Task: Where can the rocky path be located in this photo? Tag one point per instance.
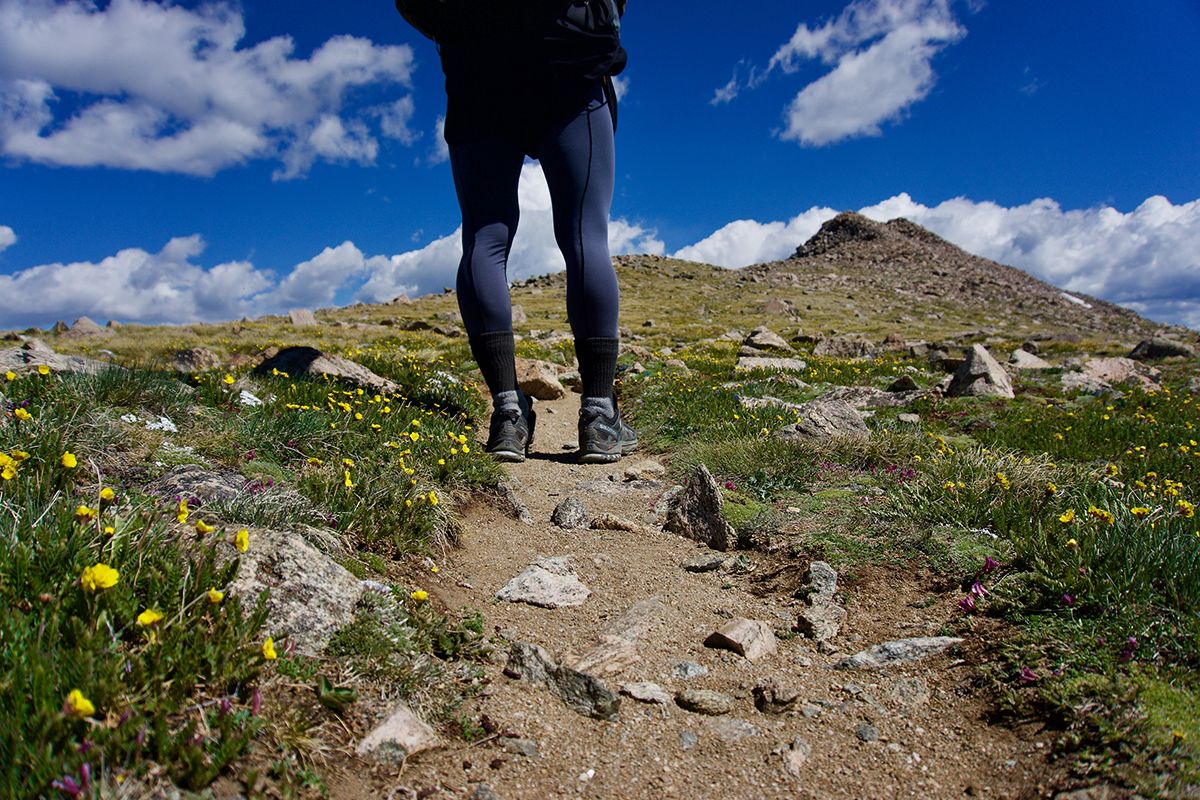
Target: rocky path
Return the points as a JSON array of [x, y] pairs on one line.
[[785, 724]]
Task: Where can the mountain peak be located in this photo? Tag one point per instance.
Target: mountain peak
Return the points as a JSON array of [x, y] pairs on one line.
[[850, 227]]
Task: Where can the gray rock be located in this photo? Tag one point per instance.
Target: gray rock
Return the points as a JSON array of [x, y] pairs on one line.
[[617, 648], [646, 692], [774, 695], [756, 403], [704, 563], [748, 363], [820, 580], [905, 383], [1123, 370], [751, 639], [611, 522], [485, 792], [570, 514], [1085, 383], [826, 419], [196, 359], [796, 756], [763, 338], [901, 651], [704, 701], [644, 471], [980, 375], [866, 732], [311, 595], [821, 621], [582, 693], [686, 670], [695, 513], [909, 419], [520, 511], [843, 347], [519, 317], [401, 735], [688, 739], [539, 379], [1159, 347], [520, 747], [84, 327], [297, 361], [34, 353], [1023, 359], [731, 730], [910, 692], [548, 583], [302, 318], [871, 397]]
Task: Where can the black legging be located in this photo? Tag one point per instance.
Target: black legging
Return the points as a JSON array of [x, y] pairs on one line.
[[577, 157]]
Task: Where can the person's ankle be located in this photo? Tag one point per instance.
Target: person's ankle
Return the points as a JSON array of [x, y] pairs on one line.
[[603, 405], [506, 401]]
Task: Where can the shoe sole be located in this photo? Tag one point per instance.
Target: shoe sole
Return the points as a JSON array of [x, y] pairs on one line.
[[607, 458]]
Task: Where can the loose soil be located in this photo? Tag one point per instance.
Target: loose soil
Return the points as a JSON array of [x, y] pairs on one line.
[[939, 746]]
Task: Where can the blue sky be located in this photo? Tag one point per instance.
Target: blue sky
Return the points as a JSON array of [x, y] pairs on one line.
[[203, 161]]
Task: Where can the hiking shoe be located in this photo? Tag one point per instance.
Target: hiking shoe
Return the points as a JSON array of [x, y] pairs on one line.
[[511, 434], [604, 438]]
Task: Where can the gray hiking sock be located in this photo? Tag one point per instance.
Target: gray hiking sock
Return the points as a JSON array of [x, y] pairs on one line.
[[603, 405], [507, 401]]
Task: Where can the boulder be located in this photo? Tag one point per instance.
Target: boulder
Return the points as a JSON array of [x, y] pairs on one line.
[[843, 347], [539, 379], [548, 583], [519, 317], [826, 419], [84, 327], [1024, 359], [822, 617], [1123, 370], [980, 375], [747, 363], [34, 353], [1159, 347], [302, 318], [582, 693], [196, 359], [311, 595], [695, 513], [763, 338], [296, 361], [749, 638]]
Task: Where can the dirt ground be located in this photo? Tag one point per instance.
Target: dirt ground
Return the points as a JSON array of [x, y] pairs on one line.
[[925, 725]]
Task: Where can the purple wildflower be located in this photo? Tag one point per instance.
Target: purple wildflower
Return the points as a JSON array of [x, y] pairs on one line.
[[1068, 600], [978, 590], [967, 604], [1026, 675], [255, 703], [226, 707], [85, 776], [729, 485], [68, 786], [990, 565], [1130, 649]]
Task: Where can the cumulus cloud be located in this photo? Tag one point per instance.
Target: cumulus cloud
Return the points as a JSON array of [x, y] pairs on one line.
[[152, 86], [1147, 259], [7, 238], [880, 54], [172, 286]]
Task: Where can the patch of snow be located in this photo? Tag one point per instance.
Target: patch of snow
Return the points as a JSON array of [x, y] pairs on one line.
[[1070, 298]]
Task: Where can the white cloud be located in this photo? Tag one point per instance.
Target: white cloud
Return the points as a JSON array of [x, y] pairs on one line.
[[152, 86], [881, 54], [440, 152], [1147, 259], [170, 286], [7, 238]]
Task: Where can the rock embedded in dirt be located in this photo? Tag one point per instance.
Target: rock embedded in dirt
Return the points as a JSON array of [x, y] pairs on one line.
[[688, 739], [866, 732], [696, 514], [582, 693], [611, 522], [980, 375], [644, 471], [539, 379], [570, 514], [774, 695], [731, 730], [646, 692], [401, 735], [749, 638], [616, 649], [826, 419], [310, 595], [822, 617], [296, 361], [763, 338], [519, 510], [686, 670], [520, 747], [34, 353], [485, 792], [820, 580], [901, 651], [547, 583], [1160, 347], [796, 756], [704, 701], [910, 692], [704, 563]]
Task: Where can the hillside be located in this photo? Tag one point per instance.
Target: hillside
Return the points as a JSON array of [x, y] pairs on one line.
[[904, 522]]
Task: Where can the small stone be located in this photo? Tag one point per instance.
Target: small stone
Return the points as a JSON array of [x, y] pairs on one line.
[[795, 757], [821, 580], [1023, 359], [644, 471], [548, 583], [811, 710], [731, 730], [686, 670], [520, 747], [401, 735], [695, 513], [485, 792], [646, 692], [774, 696], [866, 732], [909, 419], [751, 639], [910, 692], [901, 651], [688, 740], [763, 338], [570, 514], [704, 701], [826, 419]]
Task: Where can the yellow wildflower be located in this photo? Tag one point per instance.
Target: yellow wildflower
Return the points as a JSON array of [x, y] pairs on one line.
[[215, 596], [1072, 543], [1112, 470], [43, 369], [1186, 510], [1051, 489], [99, 576], [268, 649], [109, 530], [203, 528], [347, 480], [78, 705], [107, 494], [242, 540], [85, 514], [1141, 512], [419, 596], [433, 499], [69, 461], [228, 379], [149, 617], [416, 437], [22, 415], [182, 513], [1067, 516], [10, 375]]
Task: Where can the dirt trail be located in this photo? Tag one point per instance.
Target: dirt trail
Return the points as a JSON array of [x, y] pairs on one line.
[[933, 741]]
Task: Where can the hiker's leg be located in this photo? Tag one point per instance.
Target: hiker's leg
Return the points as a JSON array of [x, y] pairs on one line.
[[579, 162], [486, 174]]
